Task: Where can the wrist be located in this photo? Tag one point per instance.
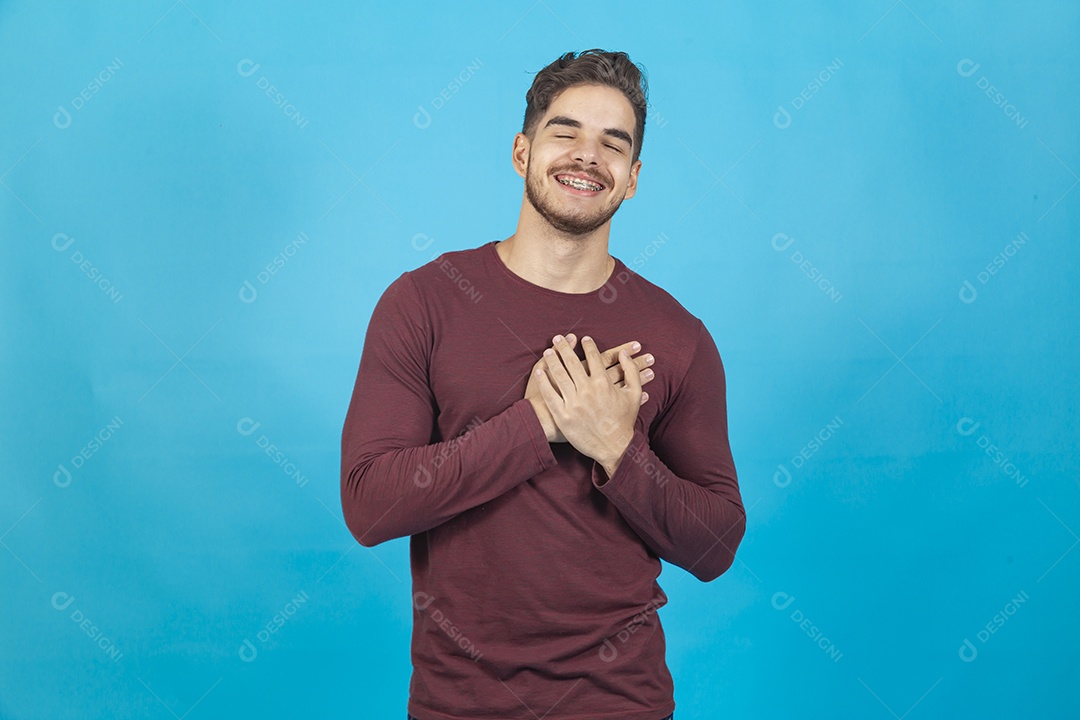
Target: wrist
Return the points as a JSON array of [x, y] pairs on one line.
[[611, 459], [543, 416]]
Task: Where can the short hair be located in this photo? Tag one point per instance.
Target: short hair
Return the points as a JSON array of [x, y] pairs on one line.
[[589, 67]]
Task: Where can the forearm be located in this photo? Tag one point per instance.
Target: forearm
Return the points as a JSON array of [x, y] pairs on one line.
[[693, 524], [389, 492]]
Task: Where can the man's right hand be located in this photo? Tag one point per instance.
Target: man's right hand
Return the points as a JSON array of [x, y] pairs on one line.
[[614, 373]]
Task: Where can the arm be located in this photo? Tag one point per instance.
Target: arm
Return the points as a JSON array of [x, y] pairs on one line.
[[394, 482], [678, 488]]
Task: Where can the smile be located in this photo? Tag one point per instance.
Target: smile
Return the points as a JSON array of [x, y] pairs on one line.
[[579, 183]]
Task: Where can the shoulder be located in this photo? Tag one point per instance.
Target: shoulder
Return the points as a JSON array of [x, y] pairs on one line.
[[442, 285], [442, 265], [628, 286], [680, 335]]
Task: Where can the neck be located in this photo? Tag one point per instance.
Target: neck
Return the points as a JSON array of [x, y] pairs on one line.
[[565, 263]]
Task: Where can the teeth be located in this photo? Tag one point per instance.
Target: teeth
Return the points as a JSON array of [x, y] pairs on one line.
[[579, 184]]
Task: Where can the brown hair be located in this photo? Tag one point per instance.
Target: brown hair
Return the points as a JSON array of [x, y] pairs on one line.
[[589, 67]]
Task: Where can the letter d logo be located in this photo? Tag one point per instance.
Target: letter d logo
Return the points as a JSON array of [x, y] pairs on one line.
[[248, 293], [248, 652], [65, 246], [422, 118], [782, 118], [967, 67], [967, 426], [781, 600], [62, 477], [608, 293], [782, 238], [782, 477], [247, 67], [61, 600], [246, 426], [62, 118], [968, 293], [422, 477]]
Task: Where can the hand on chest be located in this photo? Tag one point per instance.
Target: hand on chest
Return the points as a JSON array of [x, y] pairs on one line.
[[479, 372]]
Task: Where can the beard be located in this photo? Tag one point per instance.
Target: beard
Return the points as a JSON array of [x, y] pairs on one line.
[[570, 222]]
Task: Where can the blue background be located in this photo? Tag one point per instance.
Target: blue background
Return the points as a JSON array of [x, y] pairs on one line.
[[148, 179]]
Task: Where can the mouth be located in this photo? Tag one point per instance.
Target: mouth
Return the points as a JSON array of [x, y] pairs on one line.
[[579, 184]]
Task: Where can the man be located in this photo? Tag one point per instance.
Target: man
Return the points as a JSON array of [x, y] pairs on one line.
[[541, 494]]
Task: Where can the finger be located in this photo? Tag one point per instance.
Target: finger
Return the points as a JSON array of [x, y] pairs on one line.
[[647, 376], [593, 360], [570, 360], [611, 357], [542, 362], [551, 397], [631, 375], [615, 374], [534, 378], [570, 338], [557, 372]]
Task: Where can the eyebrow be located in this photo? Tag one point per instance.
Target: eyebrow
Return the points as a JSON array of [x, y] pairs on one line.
[[571, 122]]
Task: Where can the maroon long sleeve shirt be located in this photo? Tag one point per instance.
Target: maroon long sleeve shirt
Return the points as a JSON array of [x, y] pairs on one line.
[[535, 588]]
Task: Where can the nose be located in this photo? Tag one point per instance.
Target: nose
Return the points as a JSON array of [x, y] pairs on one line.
[[586, 150]]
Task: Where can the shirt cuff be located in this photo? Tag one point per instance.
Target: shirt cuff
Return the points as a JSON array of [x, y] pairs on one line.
[[601, 481], [536, 434]]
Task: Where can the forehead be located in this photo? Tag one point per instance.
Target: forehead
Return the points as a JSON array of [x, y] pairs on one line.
[[599, 105]]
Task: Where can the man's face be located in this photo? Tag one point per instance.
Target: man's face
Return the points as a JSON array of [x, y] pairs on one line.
[[578, 167]]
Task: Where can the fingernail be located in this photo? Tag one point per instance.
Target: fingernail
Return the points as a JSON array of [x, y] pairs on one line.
[[647, 373], [636, 346], [648, 358], [586, 338], [549, 351], [558, 339]]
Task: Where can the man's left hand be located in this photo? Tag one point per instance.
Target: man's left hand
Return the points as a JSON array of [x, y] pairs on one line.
[[594, 415]]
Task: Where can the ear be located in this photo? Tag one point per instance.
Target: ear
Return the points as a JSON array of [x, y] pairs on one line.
[[519, 155], [631, 187]]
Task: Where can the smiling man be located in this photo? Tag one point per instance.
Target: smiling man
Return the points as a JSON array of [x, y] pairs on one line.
[[540, 484]]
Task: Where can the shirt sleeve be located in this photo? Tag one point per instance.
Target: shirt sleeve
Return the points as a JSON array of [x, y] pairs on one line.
[[394, 480], [677, 487]]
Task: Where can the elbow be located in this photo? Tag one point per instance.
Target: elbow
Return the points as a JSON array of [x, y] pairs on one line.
[[361, 518], [363, 536], [710, 573], [358, 524], [722, 556], [361, 527]]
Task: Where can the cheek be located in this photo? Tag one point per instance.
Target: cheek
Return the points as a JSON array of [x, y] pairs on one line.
[[538, 165]]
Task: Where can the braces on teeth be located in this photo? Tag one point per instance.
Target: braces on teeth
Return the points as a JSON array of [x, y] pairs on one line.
[[579, 184]]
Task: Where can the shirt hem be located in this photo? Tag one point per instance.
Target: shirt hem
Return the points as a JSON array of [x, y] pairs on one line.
[[429, 714]]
